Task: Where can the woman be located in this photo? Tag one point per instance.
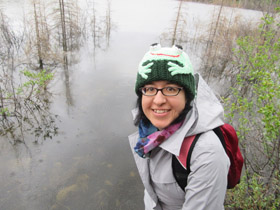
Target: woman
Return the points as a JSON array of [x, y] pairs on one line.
[[173, 104]]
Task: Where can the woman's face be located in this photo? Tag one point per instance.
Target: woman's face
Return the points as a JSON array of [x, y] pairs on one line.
[[163, 110]]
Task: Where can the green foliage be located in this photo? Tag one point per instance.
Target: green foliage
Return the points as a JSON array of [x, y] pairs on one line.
[[4, 111], [257, 94], [254, 108], [39, 80], [26, 108], [253, 194]]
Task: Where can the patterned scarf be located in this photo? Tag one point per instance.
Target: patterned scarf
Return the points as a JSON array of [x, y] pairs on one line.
[[150, 137]]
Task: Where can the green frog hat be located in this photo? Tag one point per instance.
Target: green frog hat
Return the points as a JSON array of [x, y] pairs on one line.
[[170, 64]]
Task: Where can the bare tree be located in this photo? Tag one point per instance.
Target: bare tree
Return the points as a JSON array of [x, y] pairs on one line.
[[176, 23], [177, 34], [108, 22], [211, 41], [39, 48], [65, 50]]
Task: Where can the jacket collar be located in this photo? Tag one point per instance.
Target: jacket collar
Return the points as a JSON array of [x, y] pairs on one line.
[[174, 142]]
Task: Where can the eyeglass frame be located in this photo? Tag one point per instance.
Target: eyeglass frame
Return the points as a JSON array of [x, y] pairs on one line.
[[160, 89]]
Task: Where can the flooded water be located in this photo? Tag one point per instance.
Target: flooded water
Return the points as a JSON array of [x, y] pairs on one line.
[[89, 165]]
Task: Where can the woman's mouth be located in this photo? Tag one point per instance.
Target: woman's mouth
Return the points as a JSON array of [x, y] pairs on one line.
[[160, 111]]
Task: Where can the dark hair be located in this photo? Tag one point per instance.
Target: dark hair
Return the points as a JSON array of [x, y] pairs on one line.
[[142, 117]]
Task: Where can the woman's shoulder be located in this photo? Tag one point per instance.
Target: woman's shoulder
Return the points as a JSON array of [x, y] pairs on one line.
[[209, 139], [133, 135], [133, 138], [209, 151], [209, 146]]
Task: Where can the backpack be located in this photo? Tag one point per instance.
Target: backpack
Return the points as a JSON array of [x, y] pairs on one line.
[[229, 140]]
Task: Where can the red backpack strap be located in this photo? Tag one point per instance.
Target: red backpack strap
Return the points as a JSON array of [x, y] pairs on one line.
[[184, 151], [181, 163]]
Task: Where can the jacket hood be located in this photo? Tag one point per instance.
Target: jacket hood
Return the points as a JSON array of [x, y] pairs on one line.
[[206, 114], [208, 109]]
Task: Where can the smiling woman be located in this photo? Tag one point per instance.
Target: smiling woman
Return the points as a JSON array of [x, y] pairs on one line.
[[174, 104], [162, 109]]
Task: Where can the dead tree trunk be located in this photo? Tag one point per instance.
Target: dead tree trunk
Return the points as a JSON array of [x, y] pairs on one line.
[[176, 23], [65, 51], [212, 41], [38, 39], [108, 23]]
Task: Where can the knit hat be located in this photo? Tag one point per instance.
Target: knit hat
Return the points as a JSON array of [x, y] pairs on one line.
[[169, 64]]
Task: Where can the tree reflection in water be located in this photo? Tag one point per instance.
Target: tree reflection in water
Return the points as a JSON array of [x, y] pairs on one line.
[[49, 37], [25, 107]]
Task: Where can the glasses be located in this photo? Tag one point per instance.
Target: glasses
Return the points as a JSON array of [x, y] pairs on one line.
[[166, 91]]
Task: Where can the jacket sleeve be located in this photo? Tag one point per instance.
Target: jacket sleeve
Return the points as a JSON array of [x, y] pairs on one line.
[[207, 182]]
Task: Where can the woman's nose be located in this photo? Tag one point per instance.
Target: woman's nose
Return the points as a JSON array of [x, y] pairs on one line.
[[159, 98]]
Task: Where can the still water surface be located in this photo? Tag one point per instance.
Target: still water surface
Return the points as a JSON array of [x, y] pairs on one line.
[[89, 165]]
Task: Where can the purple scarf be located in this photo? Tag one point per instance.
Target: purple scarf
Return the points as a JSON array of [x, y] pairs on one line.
[[150, 137]]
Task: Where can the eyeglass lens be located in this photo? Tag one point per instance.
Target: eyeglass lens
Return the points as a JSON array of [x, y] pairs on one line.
[[168, 91]]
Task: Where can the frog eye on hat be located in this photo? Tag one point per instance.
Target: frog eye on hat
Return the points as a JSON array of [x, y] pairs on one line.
[[178, 49], [178, 46], [155, 47]]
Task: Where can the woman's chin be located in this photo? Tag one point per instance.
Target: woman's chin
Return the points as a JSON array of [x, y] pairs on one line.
[[160, 126]]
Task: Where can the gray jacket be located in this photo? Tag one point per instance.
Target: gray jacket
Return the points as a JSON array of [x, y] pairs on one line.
[[209, 164]]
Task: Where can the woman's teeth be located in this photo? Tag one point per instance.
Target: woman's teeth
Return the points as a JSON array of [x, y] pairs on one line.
[[160, 111]]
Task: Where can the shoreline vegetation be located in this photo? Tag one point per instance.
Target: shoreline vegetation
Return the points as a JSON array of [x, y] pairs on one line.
[[260, 5], [241, 59]]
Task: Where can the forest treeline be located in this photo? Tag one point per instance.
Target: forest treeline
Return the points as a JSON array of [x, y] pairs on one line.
[[260, 5]]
